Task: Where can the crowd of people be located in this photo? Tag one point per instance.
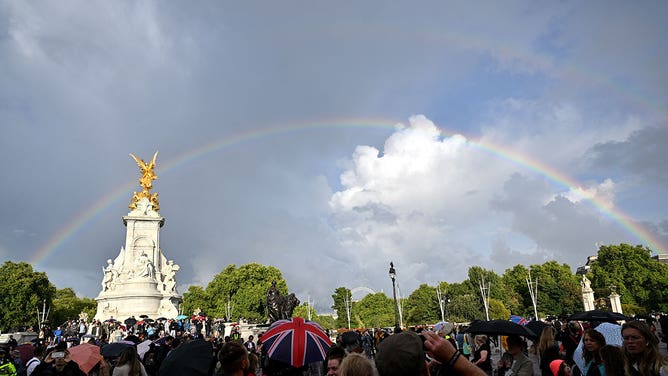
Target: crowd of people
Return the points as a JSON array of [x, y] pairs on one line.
[[143, 348]]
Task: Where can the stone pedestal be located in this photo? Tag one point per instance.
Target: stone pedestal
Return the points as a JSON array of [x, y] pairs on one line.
[[615, 303], [140, 280], [587, 295]]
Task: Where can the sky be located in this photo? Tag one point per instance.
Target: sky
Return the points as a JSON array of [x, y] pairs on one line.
[[330, 138]]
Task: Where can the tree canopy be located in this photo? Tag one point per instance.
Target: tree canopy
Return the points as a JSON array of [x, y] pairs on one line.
[[236, 292], [630, 270], [24, 292]]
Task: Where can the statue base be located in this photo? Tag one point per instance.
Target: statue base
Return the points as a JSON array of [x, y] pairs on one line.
[[136, 298]]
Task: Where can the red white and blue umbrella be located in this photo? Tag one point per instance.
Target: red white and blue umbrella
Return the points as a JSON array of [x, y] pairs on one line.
[[296, 342]]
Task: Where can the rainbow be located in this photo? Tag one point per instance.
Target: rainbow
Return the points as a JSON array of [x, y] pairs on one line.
[[78, 222]]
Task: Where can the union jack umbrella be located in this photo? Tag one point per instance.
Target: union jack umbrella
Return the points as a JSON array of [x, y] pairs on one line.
[[296, 342]]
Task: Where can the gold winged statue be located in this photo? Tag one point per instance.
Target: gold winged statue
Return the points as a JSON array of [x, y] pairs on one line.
[[146, 182]]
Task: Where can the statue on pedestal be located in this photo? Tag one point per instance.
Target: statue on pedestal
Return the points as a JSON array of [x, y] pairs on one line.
[[110, 275], [280, 307], [586, 283], [146, 182], [170, 272], [144, 267]]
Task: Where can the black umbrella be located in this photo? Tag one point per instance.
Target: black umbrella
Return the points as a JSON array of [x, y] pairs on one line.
[[597, 315], [192, 358], [130, 321], [499, 327], [112, 350], [143, 316], [132, 338], [162, 319], [536, 327]]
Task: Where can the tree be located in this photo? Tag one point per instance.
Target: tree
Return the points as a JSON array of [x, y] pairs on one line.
[[242, 290], [515, 280], [558, 289], [340, 296], [639, 279], [465, 307], [498, 311], [327, 322], [23, 293], [422, 306], [374, 311], [195, 298], [66, 306]]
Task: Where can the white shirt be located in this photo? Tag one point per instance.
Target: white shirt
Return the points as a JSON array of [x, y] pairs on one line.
[[32, 364]]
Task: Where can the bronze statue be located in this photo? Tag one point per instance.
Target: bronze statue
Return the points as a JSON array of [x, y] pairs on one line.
[[146, 182], [280, 307]]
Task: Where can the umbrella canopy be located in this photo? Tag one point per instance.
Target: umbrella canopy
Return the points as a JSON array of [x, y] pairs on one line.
[[192, 358], [143, 348], [143, 316], [26, 351], [612, 334], [499, 327], [536, 327], [296, 342], [130, 321], [597, 315], [113, 350], [181, 317], [86, 356], [111, 320], [162, 319]]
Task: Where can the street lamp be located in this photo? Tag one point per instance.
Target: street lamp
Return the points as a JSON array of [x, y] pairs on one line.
[[393, 277]]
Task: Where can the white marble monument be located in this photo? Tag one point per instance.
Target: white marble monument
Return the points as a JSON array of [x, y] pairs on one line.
[[140, 280], [587, 294]]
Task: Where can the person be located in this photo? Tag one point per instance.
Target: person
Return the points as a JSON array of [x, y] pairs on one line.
[[58, 362], [12, 343], [570, 338], [253, 364], [356, 365], [333, 360], [614, 361], [482, 356], [548, 350], [642, 350], [233, 360], [560, 368], [250, 345], [442, 351], [401, 354], [6, 365], [18, 363], [128, 364], [521, 365], [33, 362], [592, 342]]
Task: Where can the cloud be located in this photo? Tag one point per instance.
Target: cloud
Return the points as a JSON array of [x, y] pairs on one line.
[[248, 109], [640, 155]]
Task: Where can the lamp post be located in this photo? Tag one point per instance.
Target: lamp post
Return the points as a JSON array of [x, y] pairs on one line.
[[393, 276]]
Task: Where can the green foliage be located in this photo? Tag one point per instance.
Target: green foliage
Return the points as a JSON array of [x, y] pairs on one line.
[[326, 321], [498, 311], [374, 311], [195, 298], [66, 306], [341, 294], [242, 290], [559, 290], [422, 307], [639, 279], [466, 307], [23, 293]]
